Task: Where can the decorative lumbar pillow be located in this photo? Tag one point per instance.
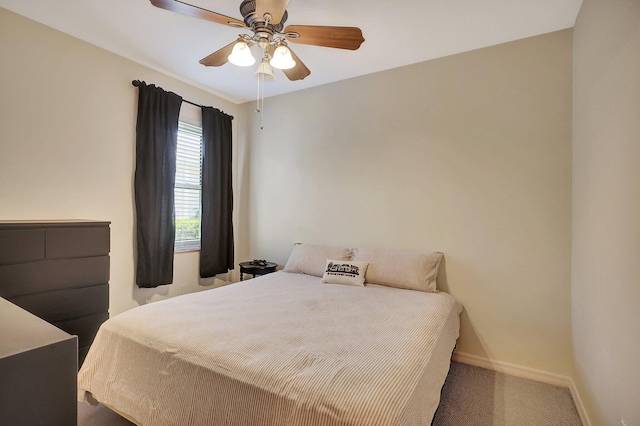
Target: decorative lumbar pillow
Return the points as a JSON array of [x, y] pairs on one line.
[[311, 259], [414, 271], [344, 272]]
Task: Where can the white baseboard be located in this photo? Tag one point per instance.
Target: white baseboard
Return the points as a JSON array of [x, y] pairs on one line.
[[579, 405], [527, 373], [513, 370]]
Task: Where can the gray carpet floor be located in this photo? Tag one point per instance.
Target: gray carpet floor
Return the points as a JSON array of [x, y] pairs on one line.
[[480, 397], [471, 396]]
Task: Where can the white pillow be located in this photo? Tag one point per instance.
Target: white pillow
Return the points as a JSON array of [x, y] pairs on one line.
[[414, 271], [311, 259], [344, 272]]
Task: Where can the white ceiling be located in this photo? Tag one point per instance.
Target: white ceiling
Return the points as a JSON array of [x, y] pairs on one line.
[[396, 32]]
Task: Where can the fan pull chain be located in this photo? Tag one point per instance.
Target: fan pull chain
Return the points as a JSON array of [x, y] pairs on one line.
[[258, 96], [260, 99]]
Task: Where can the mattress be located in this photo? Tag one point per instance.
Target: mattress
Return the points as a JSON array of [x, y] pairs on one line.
[[281, 349]]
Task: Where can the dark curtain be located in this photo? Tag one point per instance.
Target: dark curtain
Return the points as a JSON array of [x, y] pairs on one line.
[[216, 252], [156, 139]]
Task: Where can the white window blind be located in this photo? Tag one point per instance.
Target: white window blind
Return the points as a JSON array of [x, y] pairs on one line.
[[188, 187]]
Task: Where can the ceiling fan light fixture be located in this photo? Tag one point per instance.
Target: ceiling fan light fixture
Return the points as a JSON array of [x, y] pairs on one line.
[[241, 55], [282, 58], [265, 71]]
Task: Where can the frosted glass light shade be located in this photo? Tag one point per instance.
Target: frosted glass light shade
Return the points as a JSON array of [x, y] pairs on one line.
[[265, 71], [282, 58], [241, 55]]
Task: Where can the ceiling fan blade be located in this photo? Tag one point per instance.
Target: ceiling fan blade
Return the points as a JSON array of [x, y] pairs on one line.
[[339, 37], [219, 57], [299, 72], [198, 12], [275, 8]]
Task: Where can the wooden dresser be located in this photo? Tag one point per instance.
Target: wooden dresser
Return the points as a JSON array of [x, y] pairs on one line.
[[59, 271]]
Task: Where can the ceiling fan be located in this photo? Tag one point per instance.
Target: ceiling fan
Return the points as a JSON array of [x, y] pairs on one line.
[[266, 18]]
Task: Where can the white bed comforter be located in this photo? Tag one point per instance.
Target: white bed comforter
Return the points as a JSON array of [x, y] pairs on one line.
[[282, 349]]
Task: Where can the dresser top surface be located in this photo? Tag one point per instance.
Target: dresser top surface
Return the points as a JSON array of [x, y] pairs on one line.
[[56, 223]]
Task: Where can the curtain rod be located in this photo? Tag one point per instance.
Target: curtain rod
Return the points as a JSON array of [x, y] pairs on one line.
[[192, 103], [136, 83]]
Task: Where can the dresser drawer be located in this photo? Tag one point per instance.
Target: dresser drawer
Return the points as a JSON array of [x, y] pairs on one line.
[[66, 304], [85, 328], [64, 243], [19, 246], [49, 275], [82, 354]]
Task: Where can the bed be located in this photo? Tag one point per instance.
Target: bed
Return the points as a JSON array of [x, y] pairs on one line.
[[280, 349]]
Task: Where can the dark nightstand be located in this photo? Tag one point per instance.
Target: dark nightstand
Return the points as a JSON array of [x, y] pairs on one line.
[[254, 269]]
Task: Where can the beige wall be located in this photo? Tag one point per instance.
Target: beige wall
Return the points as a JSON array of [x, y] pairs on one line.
[[606, 210], [67, 142], [469, 155]]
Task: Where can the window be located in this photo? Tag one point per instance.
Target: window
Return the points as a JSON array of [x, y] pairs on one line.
[[188, 187]]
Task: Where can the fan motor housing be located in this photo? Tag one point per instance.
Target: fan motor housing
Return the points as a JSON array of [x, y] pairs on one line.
[[248, 12]]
